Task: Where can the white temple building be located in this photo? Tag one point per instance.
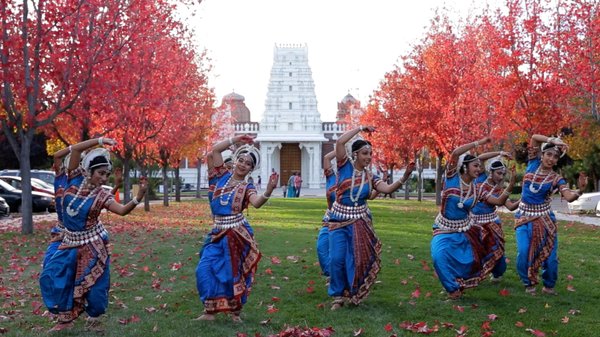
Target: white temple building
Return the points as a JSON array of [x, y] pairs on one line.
[[291, 135]]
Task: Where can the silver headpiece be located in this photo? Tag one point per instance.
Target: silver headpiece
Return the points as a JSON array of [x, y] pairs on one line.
[[248, 149], [491, 161], [461, 159], [93, 154]]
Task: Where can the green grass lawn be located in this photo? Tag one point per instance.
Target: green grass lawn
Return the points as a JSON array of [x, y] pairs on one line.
[[153, 290]]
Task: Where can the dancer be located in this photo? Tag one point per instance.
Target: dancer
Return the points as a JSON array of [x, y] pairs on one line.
[[490, 196], [76, 277], [456, 248], [230, 256], [323, 237], [354, 249], [536, 228]]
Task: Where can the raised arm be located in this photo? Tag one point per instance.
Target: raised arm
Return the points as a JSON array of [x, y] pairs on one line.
[[466, 147], [340, 144], [258, 200], [327, 160], [223, 145], [489, 155], [119, 209], [384, 187], [78, 148], [501, 200], [537, 140]]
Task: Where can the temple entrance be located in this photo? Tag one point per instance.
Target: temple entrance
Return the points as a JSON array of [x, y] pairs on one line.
[[290, 155]]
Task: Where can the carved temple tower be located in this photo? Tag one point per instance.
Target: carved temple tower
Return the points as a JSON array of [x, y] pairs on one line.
[[291, 131]]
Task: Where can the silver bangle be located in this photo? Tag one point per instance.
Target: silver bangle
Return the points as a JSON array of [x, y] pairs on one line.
[[264, 196], [230, 141], [69, 148], [135, 201], [361, 128], [100, 141]]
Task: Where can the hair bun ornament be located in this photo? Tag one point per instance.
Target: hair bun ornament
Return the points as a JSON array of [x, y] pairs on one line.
[[102, 154], [250, 150], [461, 158], [351, 142], [491, 164], [550, 146]]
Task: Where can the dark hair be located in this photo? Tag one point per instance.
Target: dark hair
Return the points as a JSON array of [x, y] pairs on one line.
[[97, 162], [497, 165], [468, 158], [358, 144], [228, 160], [563, 160]]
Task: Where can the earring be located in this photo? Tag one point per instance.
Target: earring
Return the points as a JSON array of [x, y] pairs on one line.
[[464, 167]]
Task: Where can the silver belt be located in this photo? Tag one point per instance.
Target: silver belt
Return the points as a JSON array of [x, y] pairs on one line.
[[229, 221], [484, 218], [78, 238], [445, 224], [349, 212], [534, 210]]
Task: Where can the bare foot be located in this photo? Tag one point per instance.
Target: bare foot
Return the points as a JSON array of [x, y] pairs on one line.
[[205, 317], [61, 327], [549, 291], [530, 290]]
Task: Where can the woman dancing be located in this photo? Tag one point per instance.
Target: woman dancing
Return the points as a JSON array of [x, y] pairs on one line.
[[230, 256], [490, 194], [76, 277], [354, 249], [536, 229], [456, 248]]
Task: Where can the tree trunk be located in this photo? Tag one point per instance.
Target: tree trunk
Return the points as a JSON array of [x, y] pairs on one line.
[[439, 171], [420, 181], [165, 186], [147, 195], [26, 197], [177, 185], [198, 178], [126, 181]]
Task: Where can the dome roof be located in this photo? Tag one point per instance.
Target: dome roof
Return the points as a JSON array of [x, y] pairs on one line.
[[233, 97], [349, 99]]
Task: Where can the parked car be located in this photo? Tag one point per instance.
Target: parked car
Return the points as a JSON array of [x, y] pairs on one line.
[[586, 202], [4, 208], [598, 209], [45, 175], [40, 201], [36, 184]]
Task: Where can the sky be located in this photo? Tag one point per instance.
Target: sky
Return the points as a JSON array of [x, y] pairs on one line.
[[351, 44]]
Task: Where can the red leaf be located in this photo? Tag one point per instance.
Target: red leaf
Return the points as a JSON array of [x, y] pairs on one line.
[[458, 308], [268, 271], [416, 293], [275, 299], [536, 333], [388, 327], [275, 260], [519, 324], [492, 317], [504, 292], [310, 290]]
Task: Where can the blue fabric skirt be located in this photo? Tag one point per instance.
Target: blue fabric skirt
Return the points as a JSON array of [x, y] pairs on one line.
[[323, 250], [453, 259]]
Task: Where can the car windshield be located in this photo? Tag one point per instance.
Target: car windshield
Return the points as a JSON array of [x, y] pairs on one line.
[[7, 186]]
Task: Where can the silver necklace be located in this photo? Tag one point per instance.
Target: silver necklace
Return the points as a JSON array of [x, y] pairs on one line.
[[73, 212], [531, 187], [354, 199], [461, 201], [222, 201]]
